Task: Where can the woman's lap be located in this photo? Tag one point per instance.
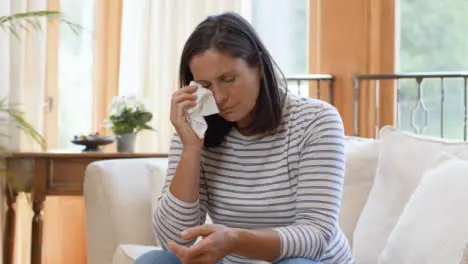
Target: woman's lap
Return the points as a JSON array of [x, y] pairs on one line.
[[158, 257], [166, 257]]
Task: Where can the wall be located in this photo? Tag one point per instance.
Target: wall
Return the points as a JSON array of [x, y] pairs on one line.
[[354, 36]]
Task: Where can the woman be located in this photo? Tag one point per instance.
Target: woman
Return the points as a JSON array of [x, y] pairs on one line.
[[269, 171]]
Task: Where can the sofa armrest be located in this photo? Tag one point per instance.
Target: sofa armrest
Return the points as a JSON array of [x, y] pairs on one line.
[[119, 197]]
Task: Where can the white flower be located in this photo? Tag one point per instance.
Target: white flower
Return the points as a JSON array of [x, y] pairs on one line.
[[120, 103]]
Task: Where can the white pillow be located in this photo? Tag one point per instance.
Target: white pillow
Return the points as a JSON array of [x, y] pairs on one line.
[[433, 227], [403, 159], [362, 155], [465, 255], [157, 177]]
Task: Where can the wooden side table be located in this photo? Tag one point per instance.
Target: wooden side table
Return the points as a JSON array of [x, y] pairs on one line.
[[43, 174]]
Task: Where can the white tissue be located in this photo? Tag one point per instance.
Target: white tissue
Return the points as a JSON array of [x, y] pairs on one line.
[[206, 105]]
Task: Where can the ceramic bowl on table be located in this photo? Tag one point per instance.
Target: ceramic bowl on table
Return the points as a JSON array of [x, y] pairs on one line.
[[92, 143]]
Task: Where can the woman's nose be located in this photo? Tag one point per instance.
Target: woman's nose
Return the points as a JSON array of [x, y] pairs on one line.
[[220, 97]]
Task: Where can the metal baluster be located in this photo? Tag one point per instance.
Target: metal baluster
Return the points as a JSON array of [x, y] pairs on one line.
[[398, 98], [356, 106], [442, 100], [299, 87], [377, 108], [330, 92], [419, 105], [465, 102], [318, 89]]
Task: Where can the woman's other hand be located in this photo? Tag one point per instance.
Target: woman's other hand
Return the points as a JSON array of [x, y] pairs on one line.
[[217, 242], [181, 100]]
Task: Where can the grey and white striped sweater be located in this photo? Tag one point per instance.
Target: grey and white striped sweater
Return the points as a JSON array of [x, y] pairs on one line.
[[290, 182]]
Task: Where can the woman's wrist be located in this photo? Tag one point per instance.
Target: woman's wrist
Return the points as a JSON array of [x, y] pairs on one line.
[[192, 150], [234, 238], [243, 242]]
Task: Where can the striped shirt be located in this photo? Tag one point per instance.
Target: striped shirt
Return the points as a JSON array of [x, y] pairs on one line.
[[290, 181]]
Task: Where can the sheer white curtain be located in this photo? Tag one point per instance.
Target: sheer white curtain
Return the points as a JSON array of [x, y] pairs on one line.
[[22, 76], [22, 69], [153, 34]]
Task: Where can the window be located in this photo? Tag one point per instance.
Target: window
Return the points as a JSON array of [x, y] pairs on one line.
[[283, 26], [75, 73], [433, 38]]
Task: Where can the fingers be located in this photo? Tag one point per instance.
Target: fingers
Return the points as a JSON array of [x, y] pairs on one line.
[[202, 246], [188, 255], [177, 98], [180, 103], [187, 89], [194, 232], [181, 107], [178, 250], [183, 99], [205, 245]]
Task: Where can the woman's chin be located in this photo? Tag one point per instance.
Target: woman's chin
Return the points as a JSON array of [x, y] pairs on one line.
[[230, 116]]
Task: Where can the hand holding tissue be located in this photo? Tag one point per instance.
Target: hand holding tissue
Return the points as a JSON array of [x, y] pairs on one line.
[[205, 106]]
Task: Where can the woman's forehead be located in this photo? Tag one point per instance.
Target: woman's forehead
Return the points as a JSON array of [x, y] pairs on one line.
[[212, 64]]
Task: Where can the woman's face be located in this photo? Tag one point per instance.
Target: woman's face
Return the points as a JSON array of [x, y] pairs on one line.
[[234, 83]]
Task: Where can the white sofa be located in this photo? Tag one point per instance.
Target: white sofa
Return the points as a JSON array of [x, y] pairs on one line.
[[397, 208]]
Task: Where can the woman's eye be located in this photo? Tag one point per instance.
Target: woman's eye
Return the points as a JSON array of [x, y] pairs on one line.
[[206, 85], [229, 79]]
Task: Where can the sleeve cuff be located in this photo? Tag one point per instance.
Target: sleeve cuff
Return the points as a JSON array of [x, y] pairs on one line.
[[285, 238]]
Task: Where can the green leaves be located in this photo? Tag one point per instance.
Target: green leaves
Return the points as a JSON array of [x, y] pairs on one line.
[[16, 118], [31, 19], [131, 121]]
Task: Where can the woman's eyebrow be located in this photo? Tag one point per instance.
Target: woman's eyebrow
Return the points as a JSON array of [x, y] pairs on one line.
[[221, 75], [228, 72]]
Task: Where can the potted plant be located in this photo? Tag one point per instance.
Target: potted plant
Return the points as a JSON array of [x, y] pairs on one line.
[[13, 23], [128, 116]]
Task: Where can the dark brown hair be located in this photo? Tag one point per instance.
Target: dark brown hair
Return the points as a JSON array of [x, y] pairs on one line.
[[232, 34]]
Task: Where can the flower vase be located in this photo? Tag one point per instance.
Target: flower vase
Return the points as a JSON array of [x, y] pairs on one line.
[[126, 143]]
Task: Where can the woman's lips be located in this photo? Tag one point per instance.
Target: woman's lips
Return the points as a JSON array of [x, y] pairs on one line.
[[226, 110]]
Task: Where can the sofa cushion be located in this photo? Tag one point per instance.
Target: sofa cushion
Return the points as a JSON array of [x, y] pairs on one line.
[[465, 255], [432, 228], [118, 197], [127, 254], [403, 159], [361, 163], [157, 182], [157, 179]]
